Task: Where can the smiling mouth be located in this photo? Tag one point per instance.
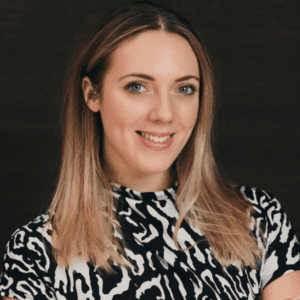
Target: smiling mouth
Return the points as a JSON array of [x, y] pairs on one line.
[[140, 133], [155, 139]]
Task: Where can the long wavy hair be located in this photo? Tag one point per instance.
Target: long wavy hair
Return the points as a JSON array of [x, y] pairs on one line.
[[82, 212]]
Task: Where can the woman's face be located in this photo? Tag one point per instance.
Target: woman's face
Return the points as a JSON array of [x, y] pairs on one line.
[[153, 76]]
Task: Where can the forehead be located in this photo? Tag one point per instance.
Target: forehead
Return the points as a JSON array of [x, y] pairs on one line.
[[155, 52]]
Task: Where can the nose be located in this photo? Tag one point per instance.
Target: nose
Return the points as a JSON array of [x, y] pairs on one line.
[[162, 109]]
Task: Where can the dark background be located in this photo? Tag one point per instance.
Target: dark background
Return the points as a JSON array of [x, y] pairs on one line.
[[255, 46]]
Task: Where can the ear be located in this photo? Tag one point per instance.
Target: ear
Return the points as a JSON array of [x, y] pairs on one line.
[[91, 97]]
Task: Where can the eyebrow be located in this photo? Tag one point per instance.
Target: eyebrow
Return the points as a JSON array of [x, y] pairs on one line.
[[152, 79]]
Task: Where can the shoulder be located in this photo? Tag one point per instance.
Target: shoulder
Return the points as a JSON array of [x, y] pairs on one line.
[[27, 260], [264, 203], [282, 252], [30, 241], [268, 210], [270, 217], [257, 196], [34, 229]]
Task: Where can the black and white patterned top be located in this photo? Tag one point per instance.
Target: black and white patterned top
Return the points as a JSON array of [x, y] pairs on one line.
[[160, 270]]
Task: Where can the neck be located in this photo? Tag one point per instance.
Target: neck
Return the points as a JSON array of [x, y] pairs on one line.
[[150, 183]]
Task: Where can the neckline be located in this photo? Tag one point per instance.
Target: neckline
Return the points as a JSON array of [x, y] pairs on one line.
[[133, 194]]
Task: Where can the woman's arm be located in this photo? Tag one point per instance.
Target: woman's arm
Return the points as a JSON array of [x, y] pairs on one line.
[[286, 287]]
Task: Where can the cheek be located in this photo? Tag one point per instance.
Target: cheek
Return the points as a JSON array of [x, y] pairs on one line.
[[116, 115], [195, 113], [189, 116]]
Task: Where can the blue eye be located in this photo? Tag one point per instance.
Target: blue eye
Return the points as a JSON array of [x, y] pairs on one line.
[[134, 87], [188, 89]]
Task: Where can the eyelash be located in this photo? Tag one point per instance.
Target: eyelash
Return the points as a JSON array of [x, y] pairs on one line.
[[129, 85]]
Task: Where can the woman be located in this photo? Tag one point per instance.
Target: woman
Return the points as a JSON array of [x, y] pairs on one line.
[[140, 210]]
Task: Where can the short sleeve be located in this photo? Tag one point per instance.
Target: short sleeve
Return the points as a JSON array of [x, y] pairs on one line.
[[282, 255], [24, 268]]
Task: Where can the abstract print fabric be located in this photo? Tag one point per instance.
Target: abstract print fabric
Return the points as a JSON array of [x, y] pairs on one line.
[[159, 270]]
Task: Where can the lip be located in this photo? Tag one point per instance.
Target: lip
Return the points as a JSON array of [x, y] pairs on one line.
[[157, 134], [156, 146]]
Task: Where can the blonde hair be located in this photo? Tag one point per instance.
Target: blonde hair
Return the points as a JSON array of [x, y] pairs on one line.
[[83, 209]]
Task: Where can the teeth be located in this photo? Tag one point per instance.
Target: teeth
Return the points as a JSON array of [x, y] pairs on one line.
[[154, 138]]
